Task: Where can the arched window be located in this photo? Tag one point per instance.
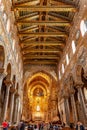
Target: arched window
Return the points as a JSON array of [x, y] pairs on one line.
[[8, 25], [59, 75], [67, 59], [83, 27], [73, 46], [13, 45], [85, 93], [62, 68]]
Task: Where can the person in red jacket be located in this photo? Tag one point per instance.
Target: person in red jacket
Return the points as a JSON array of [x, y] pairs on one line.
[[5, 125]]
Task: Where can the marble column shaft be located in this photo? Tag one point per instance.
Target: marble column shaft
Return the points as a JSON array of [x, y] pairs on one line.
[[1, 80], [6, 102], [2, 76], [74, 108], [82, 101], [67, 110], [15, 112], [12, 106], [18, 111]]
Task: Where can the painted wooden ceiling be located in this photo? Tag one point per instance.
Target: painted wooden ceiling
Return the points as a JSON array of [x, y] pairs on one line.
[[43, 28]]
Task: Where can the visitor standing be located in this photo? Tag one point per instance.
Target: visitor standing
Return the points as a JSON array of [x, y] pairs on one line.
[[79, 126], [5, 125]]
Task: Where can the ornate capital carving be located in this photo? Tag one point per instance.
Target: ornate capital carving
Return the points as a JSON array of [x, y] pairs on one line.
[[65, 94], [12, 89], [72, 91], [8, 83], [79, 85]]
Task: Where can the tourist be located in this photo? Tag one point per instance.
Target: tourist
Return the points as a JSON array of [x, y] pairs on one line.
[[5, 125], [79, 126]]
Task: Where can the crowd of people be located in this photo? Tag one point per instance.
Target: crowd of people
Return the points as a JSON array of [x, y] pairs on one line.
[[40, 126]]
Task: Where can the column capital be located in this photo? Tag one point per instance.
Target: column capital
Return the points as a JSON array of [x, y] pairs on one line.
[[8, 83], [65, 95], [12, 90], [72, 91], [79, 85]]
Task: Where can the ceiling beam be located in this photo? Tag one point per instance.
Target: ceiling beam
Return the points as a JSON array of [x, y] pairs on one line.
[[54, 29], [43, 34], [47, 54], [28, 39], [63, 1], [41, 51], [42, 43], [43, 23], [57, 29], [41, 62], [41, 57], [67, 2], [29, 18], [57, 18], [29, 29], [55, 14], [28, 2], [28, 15], [59, 8]]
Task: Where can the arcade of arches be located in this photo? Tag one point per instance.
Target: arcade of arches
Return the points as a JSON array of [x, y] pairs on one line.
[[43, 60]]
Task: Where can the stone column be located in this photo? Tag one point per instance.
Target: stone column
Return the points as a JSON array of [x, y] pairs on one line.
[[2, 76], [81, 98], [6, 102], [19, 110], [1, 80], [16, 109], [67, 110], [12, 104], [73, 107]]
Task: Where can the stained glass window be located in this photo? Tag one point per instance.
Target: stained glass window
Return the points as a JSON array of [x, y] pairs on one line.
[[8, 25]]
